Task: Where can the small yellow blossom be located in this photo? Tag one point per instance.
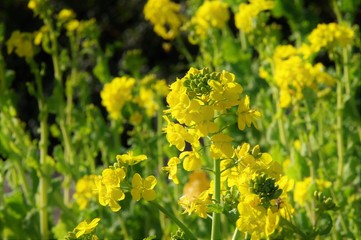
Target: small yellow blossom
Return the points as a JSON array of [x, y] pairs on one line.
[[85, 190], [198, 182], [191, 160], [115, 94], [85, 228], [65, 15], [108, 187], [247, 13], [21, 44], [221, 146], [177, 135], [246, 116], [172, 169], [143, 188], [198, 204], [32, 4], [165, 16], [129, 159], [329, 36], [211, 14], [301, 191], [72, 25]]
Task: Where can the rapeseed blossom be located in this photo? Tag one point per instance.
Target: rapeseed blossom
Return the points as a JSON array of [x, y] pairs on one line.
[[198, 204], [115, 94], [211, 14], [22, 44], [85, 228], [329, 36], [85, 190], [245, 18], [129, 159], [293, 73], [108, 187], [143, 188], [165, 16], [66, 15], [172, 169]]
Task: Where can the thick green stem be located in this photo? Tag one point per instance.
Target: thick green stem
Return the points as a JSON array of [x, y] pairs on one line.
[[43, 182], [216, 220], [188, 233]]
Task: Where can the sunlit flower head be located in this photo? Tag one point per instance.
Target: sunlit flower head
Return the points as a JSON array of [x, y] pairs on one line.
[[21, 44], [85, 190], [245, 18], [172, 169], [85, 228], [329, 36], [143, 188], [115, 94], [165, 16], [211, 14], [130, 159]]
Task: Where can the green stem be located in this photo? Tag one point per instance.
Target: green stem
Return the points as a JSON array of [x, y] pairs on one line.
[[339, 132], [43, 147], [188, 233], [43, 182], [24, 183], [216, 220], [242, 37]]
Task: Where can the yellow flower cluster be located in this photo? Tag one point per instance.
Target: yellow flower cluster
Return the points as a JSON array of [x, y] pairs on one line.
[[85, 190], [165, 16], [211, 14], [262, 187], [108, 185], [21, 44], [302, 189], [150, 92], [195, 101], [329, 36], [247, 13], [293, 73], [115, 94]]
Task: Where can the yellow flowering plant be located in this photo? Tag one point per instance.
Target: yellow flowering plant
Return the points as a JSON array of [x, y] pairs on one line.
[[163, 119]]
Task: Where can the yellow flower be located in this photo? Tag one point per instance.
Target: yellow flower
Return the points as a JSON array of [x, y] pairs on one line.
[[191, 160], [301, 191], [65, 15], [85, 190], [129, 159], [115, 94], [21, 43], [198, 204], [246, 116], [247, 14], [221, 146], [211, 14], [85, 228], [172, 169], [165, 16], [108, 187], [147, 100], [329, 36], [143, 188], [32, 4], [72, 25], [177, 135], [198, 182]]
